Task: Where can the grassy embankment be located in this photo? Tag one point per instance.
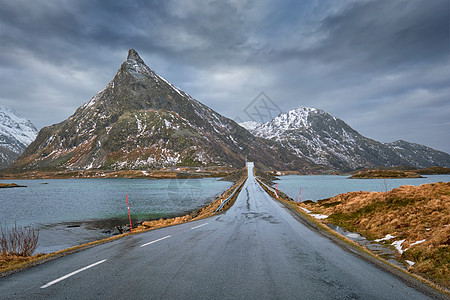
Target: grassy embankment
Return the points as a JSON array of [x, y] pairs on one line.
[[10, 263], [416, 220]]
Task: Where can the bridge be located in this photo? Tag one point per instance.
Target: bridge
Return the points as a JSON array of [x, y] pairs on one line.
[[256, 250]]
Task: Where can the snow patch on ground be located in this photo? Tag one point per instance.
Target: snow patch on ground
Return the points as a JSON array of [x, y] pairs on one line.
[[398, 246], [410, 263], [306, 210], [319, 216], [353, 235], [418, 242], [386, 238]]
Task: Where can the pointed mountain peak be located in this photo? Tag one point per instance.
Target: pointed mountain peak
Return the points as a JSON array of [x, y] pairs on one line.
[[136, 66], [134, 56], [305, 109]]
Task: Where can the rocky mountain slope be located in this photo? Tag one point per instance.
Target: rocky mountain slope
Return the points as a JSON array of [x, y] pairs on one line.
[[141, 121], [328, 141], [16, 133]]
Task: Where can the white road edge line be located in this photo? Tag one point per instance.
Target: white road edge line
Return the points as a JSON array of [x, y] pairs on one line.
[[199, 226], [71, 274], [156, 241]]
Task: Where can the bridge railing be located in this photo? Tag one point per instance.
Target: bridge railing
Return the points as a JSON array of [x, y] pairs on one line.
[[268, 187], [224, 202]]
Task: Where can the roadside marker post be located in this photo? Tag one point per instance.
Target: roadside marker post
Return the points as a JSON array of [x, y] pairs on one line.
[[129, 215], [276, 190], [299, 199]]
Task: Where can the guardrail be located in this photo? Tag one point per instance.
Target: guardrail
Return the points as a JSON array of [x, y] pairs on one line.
[[229, 198], [268, 187]]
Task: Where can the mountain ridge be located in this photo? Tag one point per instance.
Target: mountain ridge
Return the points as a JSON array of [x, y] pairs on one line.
[[328, 141], [140, 120], [16, 133]]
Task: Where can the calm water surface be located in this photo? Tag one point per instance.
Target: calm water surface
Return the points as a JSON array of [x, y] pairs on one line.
[[317, 187], [68, 212]]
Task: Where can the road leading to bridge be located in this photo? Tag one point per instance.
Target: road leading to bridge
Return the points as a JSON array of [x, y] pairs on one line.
[[255, 250]]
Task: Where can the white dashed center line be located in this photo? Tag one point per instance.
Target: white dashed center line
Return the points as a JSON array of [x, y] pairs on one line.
[[199, 226], [149, 243], [71, 274]]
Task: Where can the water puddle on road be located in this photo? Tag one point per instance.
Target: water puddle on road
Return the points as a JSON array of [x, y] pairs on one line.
[[381, 250]]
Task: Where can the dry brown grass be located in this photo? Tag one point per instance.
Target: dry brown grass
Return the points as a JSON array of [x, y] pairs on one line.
[[8, 261], [410, 213], [17, 244]]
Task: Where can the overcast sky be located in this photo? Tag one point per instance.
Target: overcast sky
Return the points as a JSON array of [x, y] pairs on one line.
[[382, 66]]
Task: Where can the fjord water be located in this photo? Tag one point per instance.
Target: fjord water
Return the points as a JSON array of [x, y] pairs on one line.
[[317, 187], [68, 212]]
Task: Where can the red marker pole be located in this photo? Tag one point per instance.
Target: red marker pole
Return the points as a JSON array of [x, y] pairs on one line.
[[276, 190], [129, 215], [299, 199]]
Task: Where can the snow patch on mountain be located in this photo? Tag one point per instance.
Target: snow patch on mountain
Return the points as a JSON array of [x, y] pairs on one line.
[[250, 125], [328, 141], [16, 132], [292, 120], [172, 86]]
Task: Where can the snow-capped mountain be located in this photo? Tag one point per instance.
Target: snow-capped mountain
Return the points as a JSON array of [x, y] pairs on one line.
[[16, 133], [142, 121], [328, 141], [250, 125]]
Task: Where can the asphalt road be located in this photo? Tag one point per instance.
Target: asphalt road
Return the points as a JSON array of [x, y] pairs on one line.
[[256, 250]]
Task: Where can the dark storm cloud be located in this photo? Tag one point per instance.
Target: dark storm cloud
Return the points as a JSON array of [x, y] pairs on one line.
[[386, 34], [363, 61], [52, 30], [378, 36]]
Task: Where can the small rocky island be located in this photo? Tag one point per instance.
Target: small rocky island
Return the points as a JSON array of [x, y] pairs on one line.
[[10, 185], [373, 174], [400, 173]]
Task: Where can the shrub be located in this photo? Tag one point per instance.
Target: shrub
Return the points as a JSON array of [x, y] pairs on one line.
[[18, 241]]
